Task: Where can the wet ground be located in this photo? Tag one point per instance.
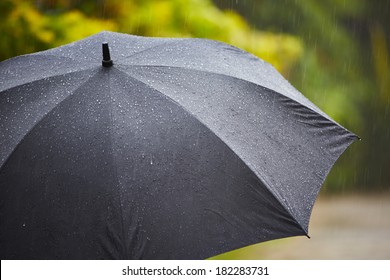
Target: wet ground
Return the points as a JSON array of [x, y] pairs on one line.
[[342, 227]]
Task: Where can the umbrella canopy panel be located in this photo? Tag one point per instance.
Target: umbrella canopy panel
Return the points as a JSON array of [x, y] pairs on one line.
[[158, 156]]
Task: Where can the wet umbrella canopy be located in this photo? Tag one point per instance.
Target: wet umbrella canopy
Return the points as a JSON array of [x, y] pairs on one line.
[[168, 149]]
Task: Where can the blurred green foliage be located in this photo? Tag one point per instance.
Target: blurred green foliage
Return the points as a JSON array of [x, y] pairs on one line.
[[335, 52], [30, 26]]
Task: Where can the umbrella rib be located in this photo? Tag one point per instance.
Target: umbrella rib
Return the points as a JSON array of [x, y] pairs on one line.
[[312, 110], [124, 241], [22, 83], [195, 70], [262, 180], [43, 53], [205, 71], [149, 49], [45, 115]]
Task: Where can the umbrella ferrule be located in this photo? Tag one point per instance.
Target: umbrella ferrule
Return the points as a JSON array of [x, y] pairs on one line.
[[106, 62]]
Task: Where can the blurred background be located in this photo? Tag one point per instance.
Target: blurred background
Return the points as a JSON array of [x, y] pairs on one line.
[[336, 52]]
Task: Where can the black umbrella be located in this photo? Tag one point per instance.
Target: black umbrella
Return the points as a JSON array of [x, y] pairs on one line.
[[174, 149]]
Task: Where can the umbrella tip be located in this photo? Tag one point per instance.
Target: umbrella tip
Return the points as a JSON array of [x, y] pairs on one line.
[[106, 62]]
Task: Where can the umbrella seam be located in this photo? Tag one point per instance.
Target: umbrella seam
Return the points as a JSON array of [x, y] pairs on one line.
[[148, 49], [172, 41], [323, 114], [48, 77], [124, 241], [43, 53], [262, 180]]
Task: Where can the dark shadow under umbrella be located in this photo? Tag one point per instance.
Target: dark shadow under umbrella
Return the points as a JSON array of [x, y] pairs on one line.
[[172, 149]]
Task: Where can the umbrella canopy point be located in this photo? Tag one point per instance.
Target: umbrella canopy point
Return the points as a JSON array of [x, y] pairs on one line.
[[106, 62]]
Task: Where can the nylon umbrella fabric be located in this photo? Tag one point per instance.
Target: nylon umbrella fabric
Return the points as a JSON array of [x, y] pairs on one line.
[[182, 149]]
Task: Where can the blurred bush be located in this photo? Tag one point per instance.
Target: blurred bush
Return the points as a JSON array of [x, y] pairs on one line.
[[30, 26]]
